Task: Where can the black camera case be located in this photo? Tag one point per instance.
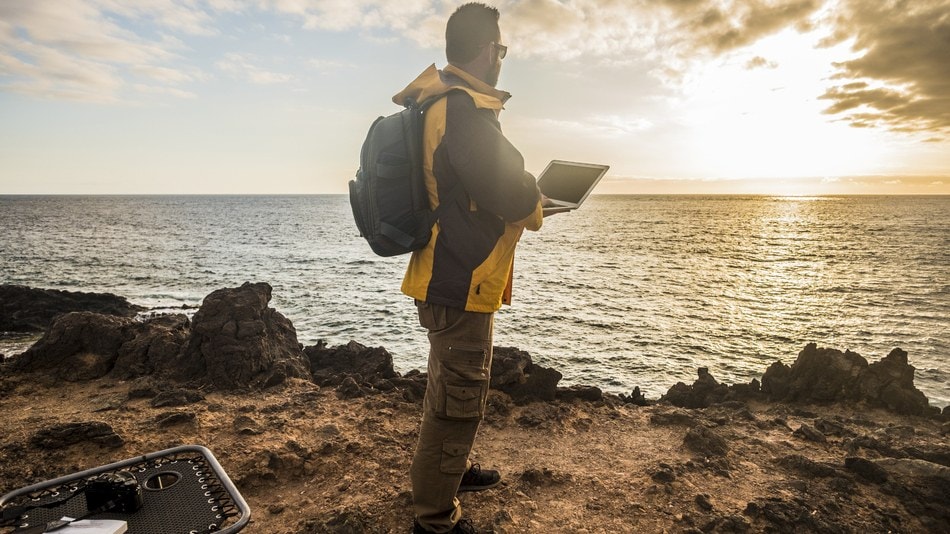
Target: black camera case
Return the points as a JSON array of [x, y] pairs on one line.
[[114, 492]]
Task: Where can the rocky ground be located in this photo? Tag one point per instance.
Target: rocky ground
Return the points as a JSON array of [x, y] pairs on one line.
[[319, 439]]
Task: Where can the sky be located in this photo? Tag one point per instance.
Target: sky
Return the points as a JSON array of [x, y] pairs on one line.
[[790, 97]]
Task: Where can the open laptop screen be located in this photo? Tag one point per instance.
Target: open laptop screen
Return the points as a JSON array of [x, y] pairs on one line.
[[570, 182]]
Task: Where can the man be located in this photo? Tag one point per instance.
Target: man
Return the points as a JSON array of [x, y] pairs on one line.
[[465, 272]]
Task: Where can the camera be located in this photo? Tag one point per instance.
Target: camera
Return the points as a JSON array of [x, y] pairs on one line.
[[114, 492]]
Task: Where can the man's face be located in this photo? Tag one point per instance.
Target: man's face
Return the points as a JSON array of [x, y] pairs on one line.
[[495, 70]]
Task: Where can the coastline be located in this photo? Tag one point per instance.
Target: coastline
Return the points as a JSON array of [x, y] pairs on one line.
[[658, 286], [328, 451]]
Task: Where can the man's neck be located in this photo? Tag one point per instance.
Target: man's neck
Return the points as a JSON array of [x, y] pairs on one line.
[[476, 83], [467, 69]]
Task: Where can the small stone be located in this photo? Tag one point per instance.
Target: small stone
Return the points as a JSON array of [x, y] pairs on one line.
[[176, 397], [664, 476], [752, 509], [798, 485], [705, 441], [867, 469], [349, 389], [678, 417], [841, 485], [64, 435], [702, 500], [502, 517], [733, 523], [175, 418], [831, 428], [247, 426], [806, 466], [809, 433]]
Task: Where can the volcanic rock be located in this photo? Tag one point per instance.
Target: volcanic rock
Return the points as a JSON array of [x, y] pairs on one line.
[[585, 393], [513, 373], [705, 441], [78, 346], [635, 397], [64, 435], [176, 397], [826, 375], [25, 309], [867, 469], [819, 375], [806, 431], [330, 366], [175, 418], [923, 487], [806, 466], [890, 383], [154, 348], [704, 391], [237, 341]]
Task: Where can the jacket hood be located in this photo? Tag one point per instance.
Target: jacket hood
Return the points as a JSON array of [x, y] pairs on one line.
[[433, 82]]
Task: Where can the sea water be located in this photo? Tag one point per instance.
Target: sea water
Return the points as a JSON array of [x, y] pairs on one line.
[[626, 291]]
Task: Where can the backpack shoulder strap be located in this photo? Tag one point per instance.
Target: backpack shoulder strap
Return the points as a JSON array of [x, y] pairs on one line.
[[456, 192]]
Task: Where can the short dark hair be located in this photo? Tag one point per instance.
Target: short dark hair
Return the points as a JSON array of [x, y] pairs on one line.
[[470, 28]]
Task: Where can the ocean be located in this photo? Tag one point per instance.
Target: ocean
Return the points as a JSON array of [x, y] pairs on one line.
[[626, 291]]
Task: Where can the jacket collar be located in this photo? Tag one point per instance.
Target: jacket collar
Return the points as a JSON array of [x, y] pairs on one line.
[[433, 82]]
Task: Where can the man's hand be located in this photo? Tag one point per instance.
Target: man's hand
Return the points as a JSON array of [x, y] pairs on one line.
[[548, 207]]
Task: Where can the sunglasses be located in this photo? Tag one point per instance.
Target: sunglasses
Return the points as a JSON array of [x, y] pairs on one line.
[[502, 50]]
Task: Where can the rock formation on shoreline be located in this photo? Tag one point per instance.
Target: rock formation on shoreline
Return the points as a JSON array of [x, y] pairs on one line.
[[25, 309], [318, 438]]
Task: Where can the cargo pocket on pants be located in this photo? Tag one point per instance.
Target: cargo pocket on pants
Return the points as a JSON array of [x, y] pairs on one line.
[[454, 458], [463, 402]]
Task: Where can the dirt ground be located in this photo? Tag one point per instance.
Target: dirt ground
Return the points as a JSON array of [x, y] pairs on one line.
[[309, 461]]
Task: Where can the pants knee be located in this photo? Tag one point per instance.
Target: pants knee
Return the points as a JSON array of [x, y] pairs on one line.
[[454, 457]]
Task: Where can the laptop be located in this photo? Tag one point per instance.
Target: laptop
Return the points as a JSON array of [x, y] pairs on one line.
[[568, 184]]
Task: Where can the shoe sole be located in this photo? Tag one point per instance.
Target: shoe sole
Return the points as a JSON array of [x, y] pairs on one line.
[[477, 488]]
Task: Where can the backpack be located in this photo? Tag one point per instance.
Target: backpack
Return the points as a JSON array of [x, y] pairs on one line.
[[389, 198]]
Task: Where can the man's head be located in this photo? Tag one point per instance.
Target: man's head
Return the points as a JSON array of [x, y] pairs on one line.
[[473, 41]]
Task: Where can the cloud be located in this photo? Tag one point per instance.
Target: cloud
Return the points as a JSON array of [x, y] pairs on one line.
[[617, 125], [720, 26], [152, 89], [241, 67], [182, 17], [897, 79], [901, 80], [163, 74], [603, 126], [328, 65], [340, 15], [79, 50], [759, 62]]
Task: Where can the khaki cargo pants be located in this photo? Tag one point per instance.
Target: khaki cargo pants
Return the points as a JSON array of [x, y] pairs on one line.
[[459, 370]]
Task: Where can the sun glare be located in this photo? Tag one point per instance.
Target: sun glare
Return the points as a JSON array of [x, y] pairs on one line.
[[757, 114]]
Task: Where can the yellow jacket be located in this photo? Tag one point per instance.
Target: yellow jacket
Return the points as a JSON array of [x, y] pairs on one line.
[[469, 261]]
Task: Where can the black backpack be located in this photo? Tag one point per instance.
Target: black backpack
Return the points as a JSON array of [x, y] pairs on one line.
[[389, 199]]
